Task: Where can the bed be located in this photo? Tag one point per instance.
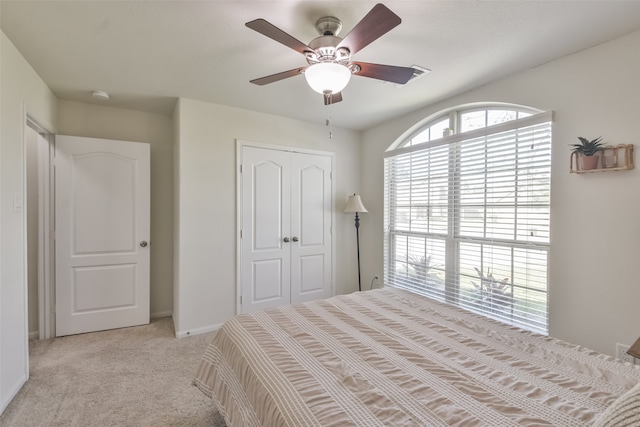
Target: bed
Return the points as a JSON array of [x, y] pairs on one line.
[[388, 357]]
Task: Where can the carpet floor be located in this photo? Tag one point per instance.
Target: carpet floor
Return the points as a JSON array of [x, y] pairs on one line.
[[138, 376]]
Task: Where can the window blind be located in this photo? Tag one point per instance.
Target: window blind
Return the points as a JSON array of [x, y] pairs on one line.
[[467, 220]]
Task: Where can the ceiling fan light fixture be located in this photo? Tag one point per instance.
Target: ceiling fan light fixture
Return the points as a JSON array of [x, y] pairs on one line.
[[327, 77]]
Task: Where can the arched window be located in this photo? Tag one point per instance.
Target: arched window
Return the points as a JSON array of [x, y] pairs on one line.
[[467, 211]]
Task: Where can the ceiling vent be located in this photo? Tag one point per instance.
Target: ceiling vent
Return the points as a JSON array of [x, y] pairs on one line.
[[418, 71]]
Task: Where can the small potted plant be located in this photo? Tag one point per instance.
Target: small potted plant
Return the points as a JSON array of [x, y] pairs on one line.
[[589, 151]]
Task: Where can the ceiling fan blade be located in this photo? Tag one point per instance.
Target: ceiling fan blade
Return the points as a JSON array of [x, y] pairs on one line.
[[332, 98], [275, 33], [277, 77], [377, 22], [388, 73]]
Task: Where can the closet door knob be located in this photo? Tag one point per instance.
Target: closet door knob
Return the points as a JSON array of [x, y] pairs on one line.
[[295, 239], [143, 244], [286, 240]]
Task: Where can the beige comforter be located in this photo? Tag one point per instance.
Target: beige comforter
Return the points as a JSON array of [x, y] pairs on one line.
[[391, 358]]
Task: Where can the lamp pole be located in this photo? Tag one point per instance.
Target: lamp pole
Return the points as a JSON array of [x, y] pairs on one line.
[[358, 249]]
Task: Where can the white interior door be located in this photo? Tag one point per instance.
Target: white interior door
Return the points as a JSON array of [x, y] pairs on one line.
[[102, 233], [310, 227], [265, 263]]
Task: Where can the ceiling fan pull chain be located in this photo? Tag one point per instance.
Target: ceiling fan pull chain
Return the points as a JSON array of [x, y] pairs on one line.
[[328, 120]]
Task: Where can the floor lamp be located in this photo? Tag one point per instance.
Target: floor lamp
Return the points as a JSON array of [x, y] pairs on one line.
[[355, 205]]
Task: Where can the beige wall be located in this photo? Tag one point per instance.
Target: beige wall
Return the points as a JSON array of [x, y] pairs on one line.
[[97, 121], [176, 217], [595, 218], [206, 192], [31, 152], [21, 92]]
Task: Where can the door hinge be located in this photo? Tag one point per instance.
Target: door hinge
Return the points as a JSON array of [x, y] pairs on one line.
[[240, 168], [240, 299], [241, 234]]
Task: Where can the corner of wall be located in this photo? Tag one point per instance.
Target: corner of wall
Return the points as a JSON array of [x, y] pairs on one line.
[[176, 215]]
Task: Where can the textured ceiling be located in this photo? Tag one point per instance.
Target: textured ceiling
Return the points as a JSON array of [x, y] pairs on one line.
[[148, 53]]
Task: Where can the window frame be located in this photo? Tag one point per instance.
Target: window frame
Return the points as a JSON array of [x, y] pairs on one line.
[[524, 117]]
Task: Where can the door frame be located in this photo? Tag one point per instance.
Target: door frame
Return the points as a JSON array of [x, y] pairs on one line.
[[240, 144], [46, 300]]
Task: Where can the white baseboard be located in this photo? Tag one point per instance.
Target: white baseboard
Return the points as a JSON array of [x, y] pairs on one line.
[[33, 335], [198, 331], [161, 314]]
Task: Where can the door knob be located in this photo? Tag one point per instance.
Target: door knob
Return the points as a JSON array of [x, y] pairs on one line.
[[286, 240], [143, 244], [295, 239]]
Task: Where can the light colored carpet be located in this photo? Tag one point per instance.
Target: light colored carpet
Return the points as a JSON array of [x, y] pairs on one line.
[[139, 376]]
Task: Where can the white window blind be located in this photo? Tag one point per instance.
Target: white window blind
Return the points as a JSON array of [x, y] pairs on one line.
[[467, 219]]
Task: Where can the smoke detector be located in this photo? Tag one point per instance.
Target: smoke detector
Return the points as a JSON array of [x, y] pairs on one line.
[[101, 95]]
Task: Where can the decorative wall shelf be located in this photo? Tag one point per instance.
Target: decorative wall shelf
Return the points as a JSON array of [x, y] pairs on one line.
[[618, 158]]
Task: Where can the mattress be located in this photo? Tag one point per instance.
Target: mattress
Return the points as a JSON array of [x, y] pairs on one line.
[[388, 357]]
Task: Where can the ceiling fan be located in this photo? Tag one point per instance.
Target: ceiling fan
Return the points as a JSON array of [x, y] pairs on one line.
[[329, 56]]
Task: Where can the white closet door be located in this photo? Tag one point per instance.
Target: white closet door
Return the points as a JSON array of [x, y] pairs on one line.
[[311, 227], [102, 233], [265, 263]]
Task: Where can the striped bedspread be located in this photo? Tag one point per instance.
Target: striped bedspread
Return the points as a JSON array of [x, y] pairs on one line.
[[391, 358]]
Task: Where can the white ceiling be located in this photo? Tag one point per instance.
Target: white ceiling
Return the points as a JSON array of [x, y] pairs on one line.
[[147, 53]]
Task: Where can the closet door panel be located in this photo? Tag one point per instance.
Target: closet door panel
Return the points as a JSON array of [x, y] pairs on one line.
[[311, 225], [266, 222]]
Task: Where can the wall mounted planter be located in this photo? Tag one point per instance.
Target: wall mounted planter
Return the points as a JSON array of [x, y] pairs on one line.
[[611, 158]]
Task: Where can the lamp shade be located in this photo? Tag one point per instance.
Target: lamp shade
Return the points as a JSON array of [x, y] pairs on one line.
[[355, 205], [327, 77]]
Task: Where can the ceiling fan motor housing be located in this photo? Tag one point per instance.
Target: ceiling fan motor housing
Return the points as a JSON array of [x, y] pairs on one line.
[[325, 51]]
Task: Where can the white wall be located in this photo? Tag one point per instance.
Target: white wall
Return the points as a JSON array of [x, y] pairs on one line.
[[594, 281], [21, 91], [98, 121], [206, 192]]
